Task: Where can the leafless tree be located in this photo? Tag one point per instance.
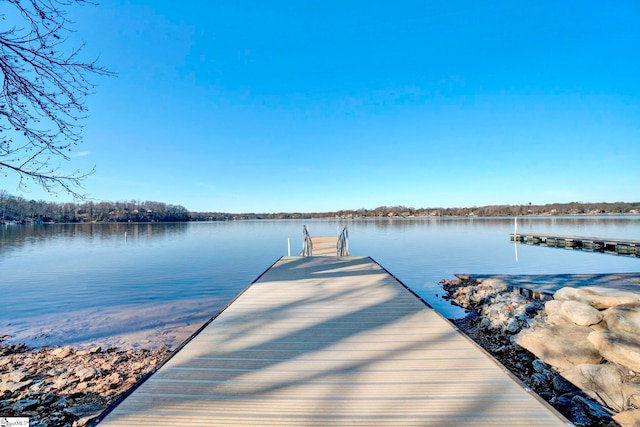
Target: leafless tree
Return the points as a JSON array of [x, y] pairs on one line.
[[44, 87]]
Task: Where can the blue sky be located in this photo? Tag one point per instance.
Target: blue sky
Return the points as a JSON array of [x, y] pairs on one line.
[[270, 106]]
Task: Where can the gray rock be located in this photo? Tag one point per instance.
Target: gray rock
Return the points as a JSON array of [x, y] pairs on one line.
[[513, 327], [576, 414], [63, 382], [619, 347], [83, 373], [580, 313], [624, 318], [61, 352], [84, 413], [505, 312], [539, 366], [538, 378], [546, 395], [562, 386], [605, 381], [138, 366], [12, 387], [562, 346], [61, 403], [84, 410], [114, 379], [484, 289], [582, 411], [485, 324], [36, 387], [25, 404], [593, 409], [631, 392], [48, 399], [13, 376]]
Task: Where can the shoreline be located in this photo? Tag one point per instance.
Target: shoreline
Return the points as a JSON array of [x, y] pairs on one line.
[[234, 217], [69, 386], [555, 353], [122, 326]]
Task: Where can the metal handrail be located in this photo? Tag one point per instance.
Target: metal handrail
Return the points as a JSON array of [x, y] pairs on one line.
[[307, 245], [343, 243]]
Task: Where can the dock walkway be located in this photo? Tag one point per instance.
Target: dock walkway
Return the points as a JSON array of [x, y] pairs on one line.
[[324, 245], [330, 341]]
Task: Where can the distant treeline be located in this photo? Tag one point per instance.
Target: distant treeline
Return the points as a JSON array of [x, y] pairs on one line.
[[18, 209], [574, 208]]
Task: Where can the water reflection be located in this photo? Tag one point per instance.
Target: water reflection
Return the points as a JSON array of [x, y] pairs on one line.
[[14, 236], [57, 272]]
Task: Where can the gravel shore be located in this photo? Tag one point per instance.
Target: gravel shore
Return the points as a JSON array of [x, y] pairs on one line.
[[66, 386]]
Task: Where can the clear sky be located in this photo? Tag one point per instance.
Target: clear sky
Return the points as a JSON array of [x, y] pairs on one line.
[[270, 106]]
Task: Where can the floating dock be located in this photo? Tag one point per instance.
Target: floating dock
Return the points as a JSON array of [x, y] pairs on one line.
[[324, 245], [591, 244], [330, 341]]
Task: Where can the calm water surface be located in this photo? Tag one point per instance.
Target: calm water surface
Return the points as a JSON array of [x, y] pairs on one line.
[[87, 283]]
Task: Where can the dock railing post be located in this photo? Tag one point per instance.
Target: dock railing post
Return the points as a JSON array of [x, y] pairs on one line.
[[288, 246], [307, 244], [515, 240]]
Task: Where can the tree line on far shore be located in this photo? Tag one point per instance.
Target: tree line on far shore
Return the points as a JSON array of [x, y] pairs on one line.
[[574, 208], [19, 209]]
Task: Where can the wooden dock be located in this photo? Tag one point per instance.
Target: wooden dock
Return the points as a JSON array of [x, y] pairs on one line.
[[330, 341], [591, 244], [324, 245]]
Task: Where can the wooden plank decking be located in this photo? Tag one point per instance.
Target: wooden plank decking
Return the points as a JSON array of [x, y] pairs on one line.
[[325, 245], [326, 341]]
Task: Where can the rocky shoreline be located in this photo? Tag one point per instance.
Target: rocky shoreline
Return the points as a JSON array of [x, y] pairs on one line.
[[578, 349], [66, 386]]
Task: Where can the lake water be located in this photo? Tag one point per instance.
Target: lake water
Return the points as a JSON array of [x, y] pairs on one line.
[[87, 283]]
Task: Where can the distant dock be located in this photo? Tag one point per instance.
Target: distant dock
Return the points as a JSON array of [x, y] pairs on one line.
[[590, 244]]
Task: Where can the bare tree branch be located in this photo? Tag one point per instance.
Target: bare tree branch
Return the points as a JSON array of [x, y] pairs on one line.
[[42, 98]]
